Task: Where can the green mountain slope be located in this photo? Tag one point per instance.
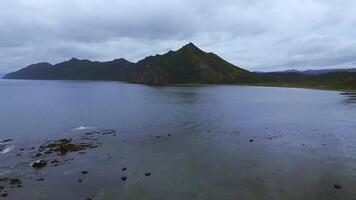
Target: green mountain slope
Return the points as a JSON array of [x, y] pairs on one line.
[[187, 65], [74, 69], [190, 65]]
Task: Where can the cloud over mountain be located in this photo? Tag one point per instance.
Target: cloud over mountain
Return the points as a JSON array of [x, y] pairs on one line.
[[254, 34]]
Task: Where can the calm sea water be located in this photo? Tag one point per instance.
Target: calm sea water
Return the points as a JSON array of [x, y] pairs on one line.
[[304, 141]]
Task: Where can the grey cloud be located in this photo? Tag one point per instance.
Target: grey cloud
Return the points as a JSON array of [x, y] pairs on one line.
[[254, 34]]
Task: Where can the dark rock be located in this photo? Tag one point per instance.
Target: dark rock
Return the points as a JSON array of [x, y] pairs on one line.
[[7, 140], [169, 134], [124, 178], [337, 186], [124, 169], [158, 137], [38, 155], [39, 164], [40, 179], [15, 182], [3, 178], [147, 174], [84, 172], [48, 152], [3, 194], [251, 140], [54, 161], [64, 146], [80, 180]]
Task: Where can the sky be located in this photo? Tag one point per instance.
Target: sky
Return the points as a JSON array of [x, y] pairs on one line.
[[258, 35]]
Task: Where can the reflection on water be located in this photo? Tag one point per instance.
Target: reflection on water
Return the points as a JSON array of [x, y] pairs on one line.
[[351, 97], [198, 142]]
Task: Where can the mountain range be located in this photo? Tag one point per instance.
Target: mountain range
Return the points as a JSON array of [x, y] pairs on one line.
[[188, 65], [316, 71]]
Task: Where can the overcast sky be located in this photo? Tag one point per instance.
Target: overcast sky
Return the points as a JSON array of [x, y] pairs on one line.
[[261, 35]]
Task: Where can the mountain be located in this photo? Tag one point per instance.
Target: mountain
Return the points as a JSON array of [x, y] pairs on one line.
[[75, 69], [190, 65], [328, 80], [186, 65], [314, 71], [324, 71]]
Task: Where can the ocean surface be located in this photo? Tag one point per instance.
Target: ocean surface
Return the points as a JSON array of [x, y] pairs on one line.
[[196, 142]]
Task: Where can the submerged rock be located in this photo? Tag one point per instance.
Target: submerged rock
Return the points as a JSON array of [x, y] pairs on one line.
[[39, 164], [15, 182], [147, 174], [7, 140], [64, 146], [337, 186], [124, 178], [3, 194]]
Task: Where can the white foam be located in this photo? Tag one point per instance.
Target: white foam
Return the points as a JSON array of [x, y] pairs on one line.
[[79, 128], [7, 149]]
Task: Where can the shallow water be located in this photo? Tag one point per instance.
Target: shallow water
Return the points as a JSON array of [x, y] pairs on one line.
[[226, 142]]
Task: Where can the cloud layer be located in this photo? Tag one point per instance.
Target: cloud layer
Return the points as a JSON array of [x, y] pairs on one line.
[[259, 35]]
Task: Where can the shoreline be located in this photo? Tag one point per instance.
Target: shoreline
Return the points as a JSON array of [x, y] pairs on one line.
[[326, 88]]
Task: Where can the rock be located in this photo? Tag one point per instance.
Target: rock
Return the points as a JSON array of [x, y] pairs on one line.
[[158, 137], [124, 169], [64, 146], [251, 140], [3, 194], [337, 186], [55, 161], [38, 155], [15, 182], [80, 180], [84, 172], [147, 174], [48, 152], [169, 134], [7, 140], [3, 178], [39, 164], [124, 178], [40, 179]]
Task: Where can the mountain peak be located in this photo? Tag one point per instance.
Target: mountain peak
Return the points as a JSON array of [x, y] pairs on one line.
[[190, 46], [73, 59]]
